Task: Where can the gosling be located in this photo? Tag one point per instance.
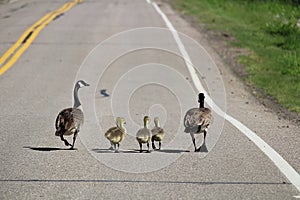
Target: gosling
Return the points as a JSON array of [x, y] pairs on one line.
[[116, 134], [157, 134], [144, 135]]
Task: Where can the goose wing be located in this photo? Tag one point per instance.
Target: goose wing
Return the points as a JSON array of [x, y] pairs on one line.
[[112, 132], [157, 130], [69, 119], [157, 133], [205, 117], [115, 134], [197, 117]]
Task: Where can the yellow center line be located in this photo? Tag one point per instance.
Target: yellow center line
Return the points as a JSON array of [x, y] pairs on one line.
[[21, 39], [19, 47]]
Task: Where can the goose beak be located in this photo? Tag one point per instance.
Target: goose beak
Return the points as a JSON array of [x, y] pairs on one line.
[[87, 84]]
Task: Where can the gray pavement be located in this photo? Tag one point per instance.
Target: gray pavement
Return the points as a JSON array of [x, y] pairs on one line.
[[144, 74]]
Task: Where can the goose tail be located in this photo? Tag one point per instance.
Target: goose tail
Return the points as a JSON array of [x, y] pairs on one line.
[[58, 132], [187, 129]]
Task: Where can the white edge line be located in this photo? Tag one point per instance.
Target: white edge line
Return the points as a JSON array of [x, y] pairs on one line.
[[148, 1], [290, 173], [297, 197]]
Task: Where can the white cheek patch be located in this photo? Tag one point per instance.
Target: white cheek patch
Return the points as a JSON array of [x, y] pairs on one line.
[[80, 84]]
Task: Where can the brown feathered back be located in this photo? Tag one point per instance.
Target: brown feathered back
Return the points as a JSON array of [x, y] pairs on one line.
[[196, 117], [68, 121]]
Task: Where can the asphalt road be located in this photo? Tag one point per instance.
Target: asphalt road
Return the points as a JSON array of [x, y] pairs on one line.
[[126, 48]]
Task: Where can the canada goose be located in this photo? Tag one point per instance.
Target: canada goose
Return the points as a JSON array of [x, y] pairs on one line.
[[116, 134], [144, 135], [70, 120], [196, 121], [157, 133]]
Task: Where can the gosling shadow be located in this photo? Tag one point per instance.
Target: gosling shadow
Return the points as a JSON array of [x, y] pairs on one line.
[[172, 151], [120, 151], [103, 150], [48, 148], [109, 150], [138, 151]]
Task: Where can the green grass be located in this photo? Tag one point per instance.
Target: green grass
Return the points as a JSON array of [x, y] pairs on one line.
[[268, 30]]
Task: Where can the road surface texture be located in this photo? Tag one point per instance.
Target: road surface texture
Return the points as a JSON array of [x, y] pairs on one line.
[[112, 46]]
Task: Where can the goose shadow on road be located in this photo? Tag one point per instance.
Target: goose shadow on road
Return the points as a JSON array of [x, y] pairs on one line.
[[48, 148]]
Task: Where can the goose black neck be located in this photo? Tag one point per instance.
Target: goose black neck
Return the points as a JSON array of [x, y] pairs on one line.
[[201, 100], [76, 99], [201, 103]]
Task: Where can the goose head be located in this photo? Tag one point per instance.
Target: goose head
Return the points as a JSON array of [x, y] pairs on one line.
[[120, 121], [81, 84], [146, 121], [156, 121], [201, 98]]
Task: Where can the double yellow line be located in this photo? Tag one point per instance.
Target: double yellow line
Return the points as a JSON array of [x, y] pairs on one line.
[[13, 54]]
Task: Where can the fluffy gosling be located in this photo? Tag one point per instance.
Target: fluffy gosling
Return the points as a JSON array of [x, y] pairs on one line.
[[116, 134], [144, 135], [157, 134]]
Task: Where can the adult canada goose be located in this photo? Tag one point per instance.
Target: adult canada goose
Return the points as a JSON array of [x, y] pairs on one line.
[[157, 134], [116, 134], [70, 120], [144, 135], [196, 121]]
